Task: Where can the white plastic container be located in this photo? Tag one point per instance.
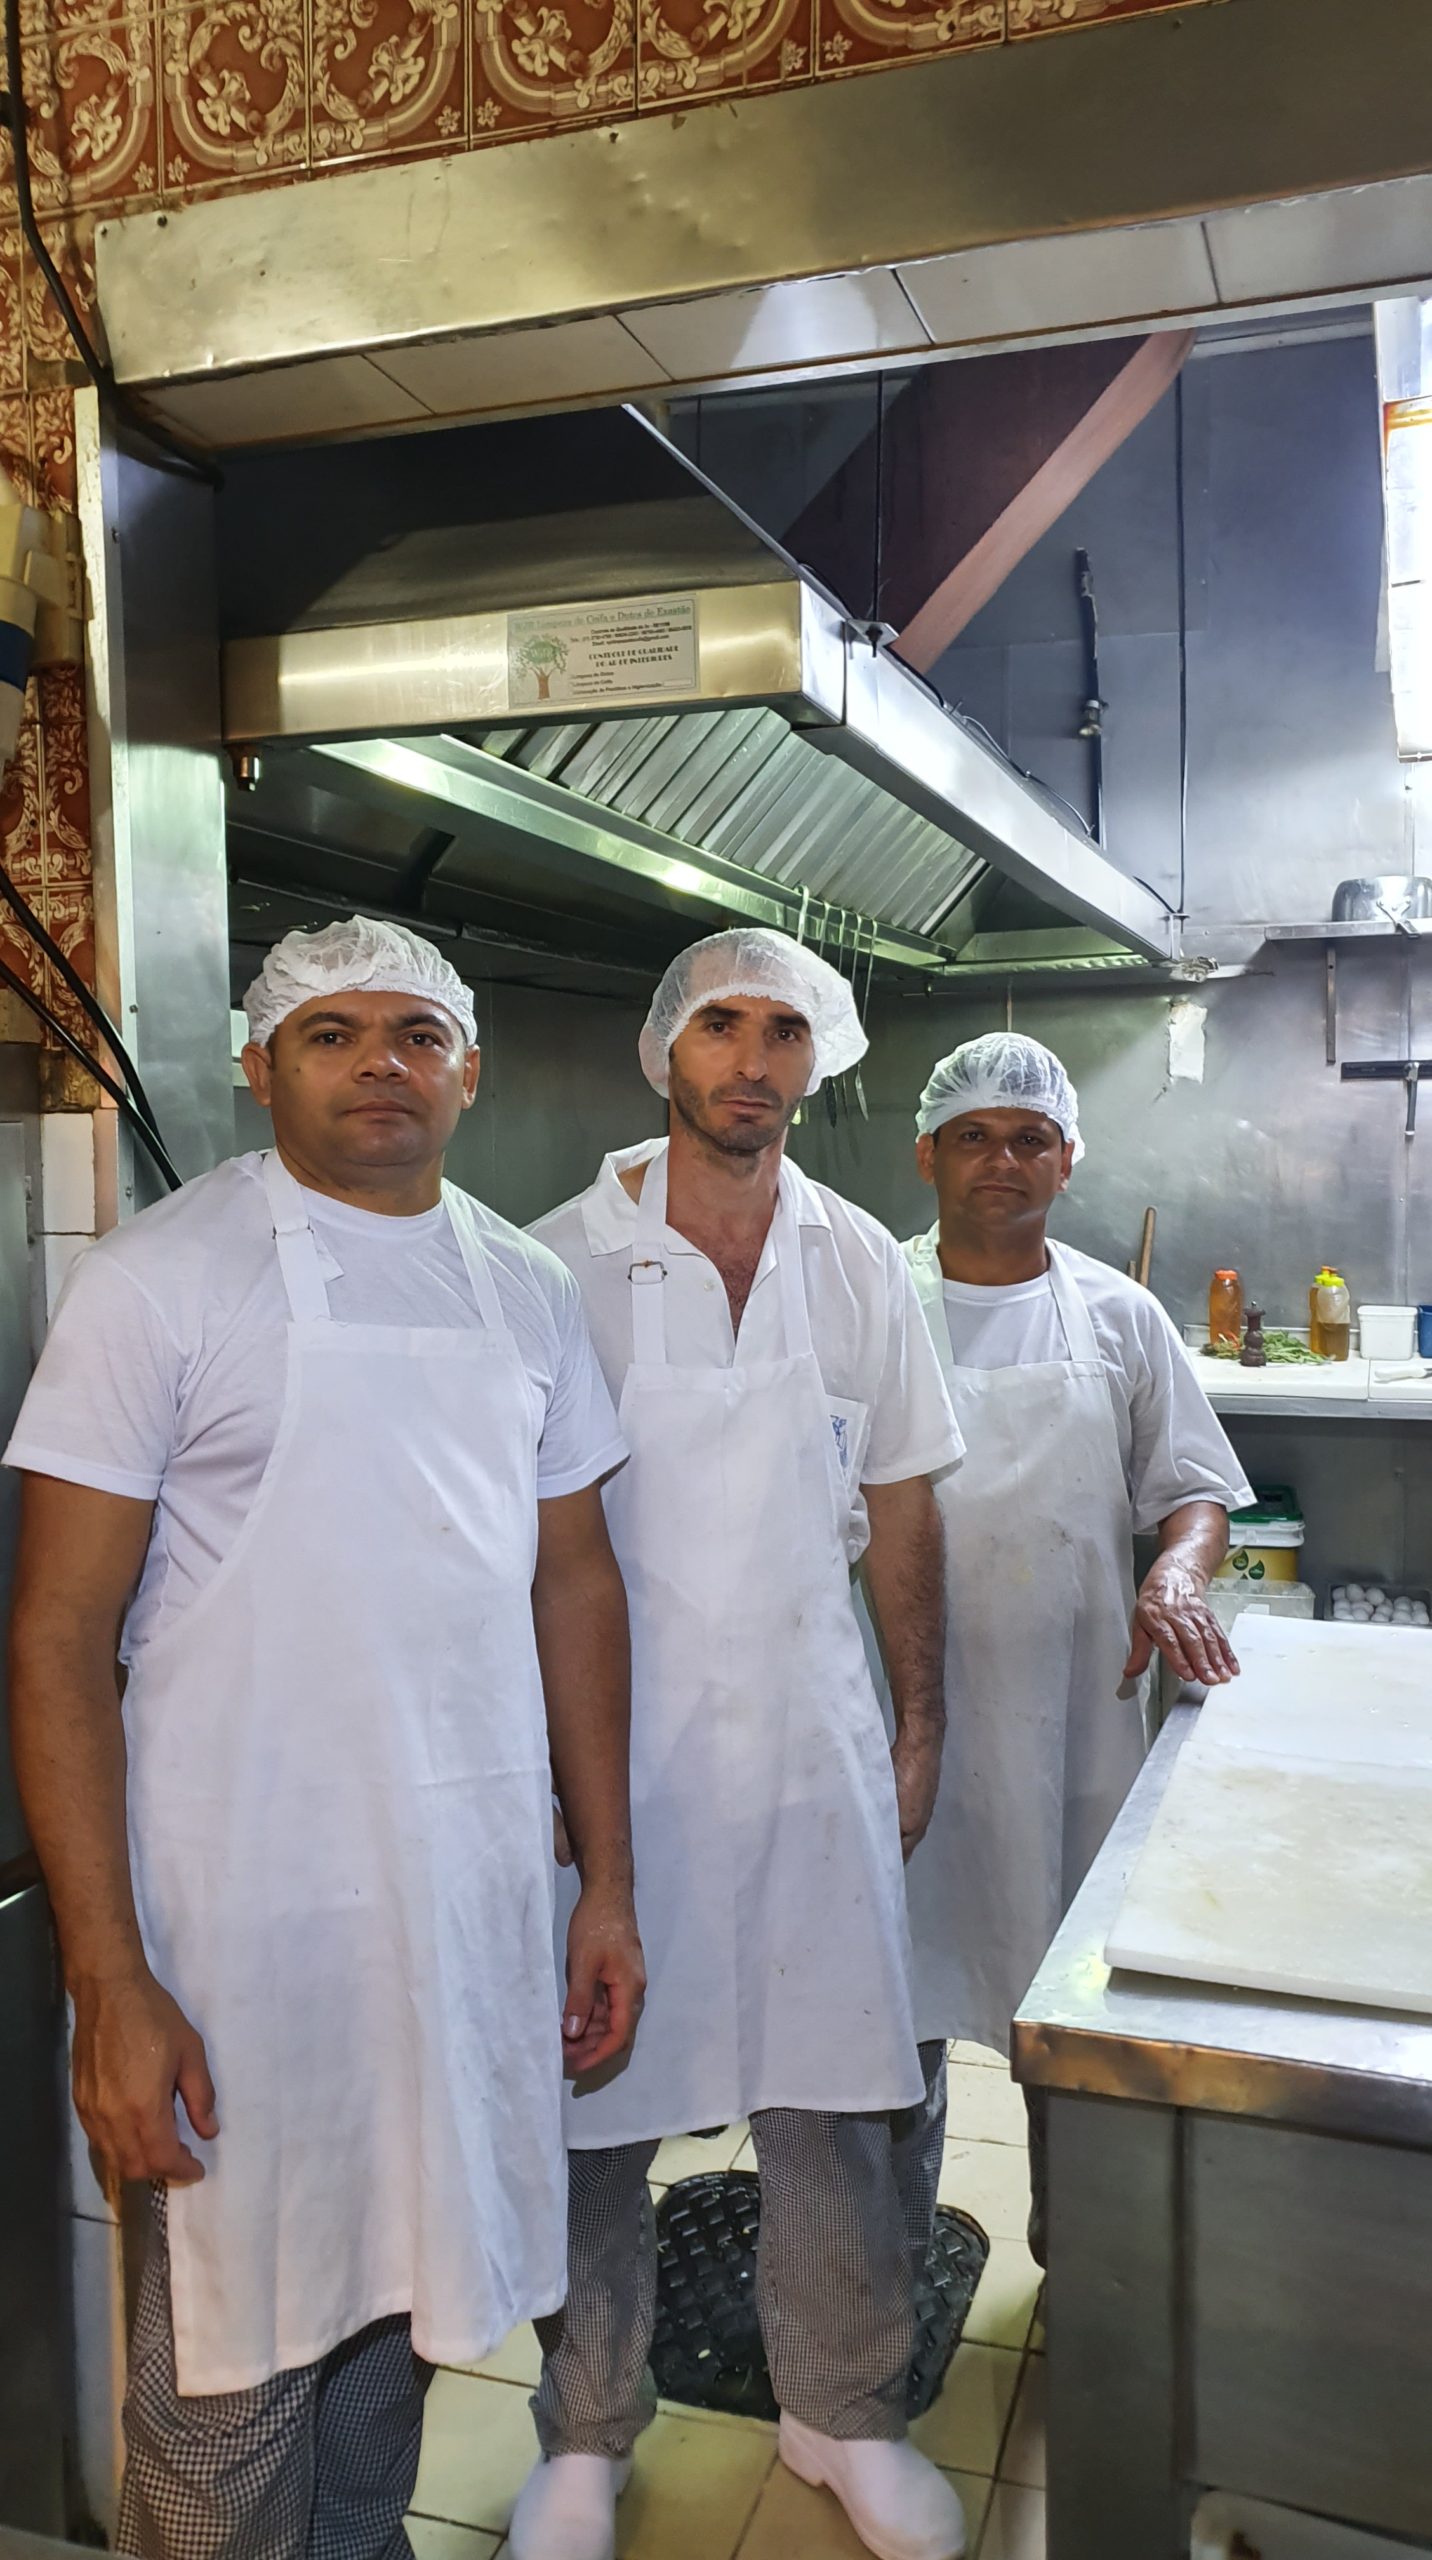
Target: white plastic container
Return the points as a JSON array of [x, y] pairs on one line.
[[1386, 1333], [1231, 1601]]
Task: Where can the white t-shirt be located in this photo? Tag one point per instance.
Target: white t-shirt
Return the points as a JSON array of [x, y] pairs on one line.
[[1172, 1443], [869, 1335], [163, 1376]]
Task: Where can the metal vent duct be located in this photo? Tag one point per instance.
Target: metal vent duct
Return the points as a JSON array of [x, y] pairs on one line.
[[698, 710]]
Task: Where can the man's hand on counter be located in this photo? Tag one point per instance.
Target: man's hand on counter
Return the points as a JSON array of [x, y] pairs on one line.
[[1171, 1613]]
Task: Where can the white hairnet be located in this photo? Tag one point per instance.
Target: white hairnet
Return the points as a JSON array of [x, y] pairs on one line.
[[359, 955], [1001, 1072], [754, 961]]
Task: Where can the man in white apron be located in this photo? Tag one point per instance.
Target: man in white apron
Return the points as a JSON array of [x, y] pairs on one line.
[[343, 1429], [1084, 1422], [783, 1407]]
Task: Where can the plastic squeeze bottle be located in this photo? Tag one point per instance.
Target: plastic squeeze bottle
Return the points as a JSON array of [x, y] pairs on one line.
[[1225, 1308], [1330, 1315]]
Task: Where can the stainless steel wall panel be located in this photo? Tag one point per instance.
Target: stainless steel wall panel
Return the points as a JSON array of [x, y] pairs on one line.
[[1311, 2319], [1112, 2311], [161, 891], [1271, 1164]]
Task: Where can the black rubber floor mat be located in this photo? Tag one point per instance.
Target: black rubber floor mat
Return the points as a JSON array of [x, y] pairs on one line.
[[707, 2348]]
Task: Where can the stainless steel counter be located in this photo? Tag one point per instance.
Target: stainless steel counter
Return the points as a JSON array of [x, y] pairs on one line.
[[1239, 2297], [1340, 2070]]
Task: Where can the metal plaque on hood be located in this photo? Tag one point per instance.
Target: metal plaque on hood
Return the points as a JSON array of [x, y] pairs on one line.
[[641, 648]]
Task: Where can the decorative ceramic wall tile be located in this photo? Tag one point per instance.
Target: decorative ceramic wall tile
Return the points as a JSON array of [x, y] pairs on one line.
[[12, 338], [859, 35], [388, 77], [694, 49], [234, 106], [535, 65], [16, 459], [47, 18], [45, 831], [52, 439], [1050, 17], [90, 98], [70, 241], [69, 917], [65, 804], [21, 838]]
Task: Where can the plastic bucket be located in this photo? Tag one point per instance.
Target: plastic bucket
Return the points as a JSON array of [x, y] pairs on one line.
[[1259, 1564]]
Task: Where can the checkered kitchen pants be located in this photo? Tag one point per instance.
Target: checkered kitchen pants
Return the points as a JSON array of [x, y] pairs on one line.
[[319, 2463], [847, 2208]]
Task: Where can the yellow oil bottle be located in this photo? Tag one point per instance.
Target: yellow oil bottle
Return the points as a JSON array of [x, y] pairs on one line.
[[1330, 1315]]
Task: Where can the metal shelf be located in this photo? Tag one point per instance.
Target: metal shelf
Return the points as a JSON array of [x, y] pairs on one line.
[[1419, 929], [1295, 1408]]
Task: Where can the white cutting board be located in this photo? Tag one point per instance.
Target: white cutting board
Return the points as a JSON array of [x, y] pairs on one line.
[[1292, 1851], [1340, 1382]]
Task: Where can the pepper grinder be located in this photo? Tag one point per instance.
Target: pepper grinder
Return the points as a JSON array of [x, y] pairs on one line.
[[1254, 1354]]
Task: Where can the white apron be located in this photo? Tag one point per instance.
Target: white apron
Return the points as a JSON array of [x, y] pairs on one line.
[[769, 1886], [1044, 1737], [340, 1832]]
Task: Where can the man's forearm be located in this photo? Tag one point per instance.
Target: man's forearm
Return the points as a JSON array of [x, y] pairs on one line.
[[584, 1649], [1196, 1536], [67, 1736], [79, 1558], [905, 1577]]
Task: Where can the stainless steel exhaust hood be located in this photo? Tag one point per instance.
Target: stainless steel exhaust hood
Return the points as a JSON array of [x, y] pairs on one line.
[[636, 678]]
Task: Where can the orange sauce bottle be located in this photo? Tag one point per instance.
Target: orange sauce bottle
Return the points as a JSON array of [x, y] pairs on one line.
[[1225, 1307]]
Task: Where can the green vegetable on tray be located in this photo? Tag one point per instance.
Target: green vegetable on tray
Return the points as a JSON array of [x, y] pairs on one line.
[[1284, 1349]]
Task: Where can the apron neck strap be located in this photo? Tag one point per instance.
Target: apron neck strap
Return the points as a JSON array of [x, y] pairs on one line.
[[303, 1280], [647, 1274], [477, 1262], [293, 1237], [1073, 1311], [930, 1290], [648, 1271]]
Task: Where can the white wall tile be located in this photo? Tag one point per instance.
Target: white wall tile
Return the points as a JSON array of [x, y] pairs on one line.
[[67, 1173]]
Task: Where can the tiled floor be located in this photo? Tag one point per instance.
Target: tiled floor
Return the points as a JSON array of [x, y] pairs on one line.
[[710, 2488]]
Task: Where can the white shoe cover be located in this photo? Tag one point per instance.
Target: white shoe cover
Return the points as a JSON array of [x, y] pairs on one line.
[[901, 2506], [568, 2509]]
